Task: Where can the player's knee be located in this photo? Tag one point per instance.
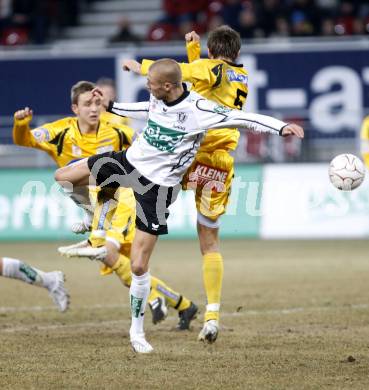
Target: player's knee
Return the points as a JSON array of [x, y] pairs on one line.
[[138, 268], [209, 238], [112, 253], [60, 176]]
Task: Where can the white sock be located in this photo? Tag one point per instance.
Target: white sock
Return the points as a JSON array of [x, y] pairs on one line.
[[81, 197], [139, 292], [17, 269]]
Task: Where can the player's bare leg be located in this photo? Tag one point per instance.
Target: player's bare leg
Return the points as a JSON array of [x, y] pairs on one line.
[[142, 247], [74, 179], [213, 279], [78, 174], [52, 281]]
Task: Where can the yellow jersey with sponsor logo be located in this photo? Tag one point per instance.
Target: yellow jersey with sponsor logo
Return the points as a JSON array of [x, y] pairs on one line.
[[65, 143], [364, 135], [217, 80]]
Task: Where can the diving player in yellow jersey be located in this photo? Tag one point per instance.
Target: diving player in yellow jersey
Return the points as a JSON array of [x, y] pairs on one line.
[[88, 133], [221, 79], [364, 135]]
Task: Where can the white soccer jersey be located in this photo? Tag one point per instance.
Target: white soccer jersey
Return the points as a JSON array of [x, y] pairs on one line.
[[173, 133]]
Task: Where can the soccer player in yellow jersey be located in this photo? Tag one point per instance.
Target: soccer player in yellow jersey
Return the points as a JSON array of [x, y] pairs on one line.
[[221, 79], [88, 133], [364, 135]]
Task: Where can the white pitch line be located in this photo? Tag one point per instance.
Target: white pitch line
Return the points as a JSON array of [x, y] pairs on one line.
[[241, 313], [26, 309], [59, 326]]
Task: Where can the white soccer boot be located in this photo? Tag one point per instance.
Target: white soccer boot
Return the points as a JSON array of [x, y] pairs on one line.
[[57, 290], [84, 251], [209, 332], [140, 345], [64, 250]]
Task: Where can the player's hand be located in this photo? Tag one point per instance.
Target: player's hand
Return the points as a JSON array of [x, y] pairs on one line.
[[97, 92], [26, 113], [192, 37], [293, 129], [131, 65]]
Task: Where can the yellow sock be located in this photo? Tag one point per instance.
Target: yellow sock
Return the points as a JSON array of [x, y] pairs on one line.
[[174, 299], [212, 270], [153, 295], [122, 269]]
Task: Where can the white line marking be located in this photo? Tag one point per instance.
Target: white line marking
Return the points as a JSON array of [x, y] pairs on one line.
[[64, 327], [125, 322], [26, 309]]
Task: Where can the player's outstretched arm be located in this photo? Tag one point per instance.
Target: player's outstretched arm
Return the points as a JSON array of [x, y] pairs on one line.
[[132, 66], [21, 128], [212, 116], [193, 47], [138, 110]]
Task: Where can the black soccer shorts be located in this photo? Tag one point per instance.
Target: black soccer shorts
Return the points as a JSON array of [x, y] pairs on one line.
[[113, 170]]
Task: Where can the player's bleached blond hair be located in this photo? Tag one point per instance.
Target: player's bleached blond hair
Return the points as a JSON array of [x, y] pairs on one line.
[[224, 42], [168, 70], [79, 88]]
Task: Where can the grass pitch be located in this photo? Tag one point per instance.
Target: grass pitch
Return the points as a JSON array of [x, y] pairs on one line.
[[295, 316]]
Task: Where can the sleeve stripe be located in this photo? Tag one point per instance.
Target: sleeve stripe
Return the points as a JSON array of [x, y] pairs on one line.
[[123, 109], [225, 117], [251, 121]]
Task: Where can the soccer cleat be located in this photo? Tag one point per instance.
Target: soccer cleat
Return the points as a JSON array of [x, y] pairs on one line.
[[159, 310], [140, 345], [186, 316], [63, 250], [58, 292], [81, 227], [83, 249], [209, 332]]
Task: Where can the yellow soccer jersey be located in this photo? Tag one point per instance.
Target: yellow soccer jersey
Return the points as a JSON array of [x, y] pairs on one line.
[[64, 142], [365, 140], [220, 81], [115, 119]]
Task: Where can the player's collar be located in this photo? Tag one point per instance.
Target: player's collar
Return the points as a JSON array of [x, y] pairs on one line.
[[80, 132], [234, 64], [178, 100]]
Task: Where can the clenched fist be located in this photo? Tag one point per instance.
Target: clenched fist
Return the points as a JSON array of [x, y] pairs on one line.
[[26, 113]]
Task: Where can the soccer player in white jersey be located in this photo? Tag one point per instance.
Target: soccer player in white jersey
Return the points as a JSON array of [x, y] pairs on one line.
[[52, 281], [156, 162]]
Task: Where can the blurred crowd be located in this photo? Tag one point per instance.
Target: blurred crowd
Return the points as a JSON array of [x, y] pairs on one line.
[[264, 18], [38, 21], [34, 21]]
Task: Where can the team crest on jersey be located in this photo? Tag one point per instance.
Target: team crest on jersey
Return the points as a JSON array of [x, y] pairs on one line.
[[76, 151], [161, 137], [41, 134], [221, 109], [237, 77], [181, 117]]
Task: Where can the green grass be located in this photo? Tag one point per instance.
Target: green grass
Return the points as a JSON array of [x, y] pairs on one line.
[[293, 314]]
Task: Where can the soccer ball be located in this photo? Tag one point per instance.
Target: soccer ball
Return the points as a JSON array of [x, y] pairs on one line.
[[346, 172]]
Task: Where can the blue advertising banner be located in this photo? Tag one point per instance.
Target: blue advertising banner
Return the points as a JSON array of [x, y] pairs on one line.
[[326, 84]]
